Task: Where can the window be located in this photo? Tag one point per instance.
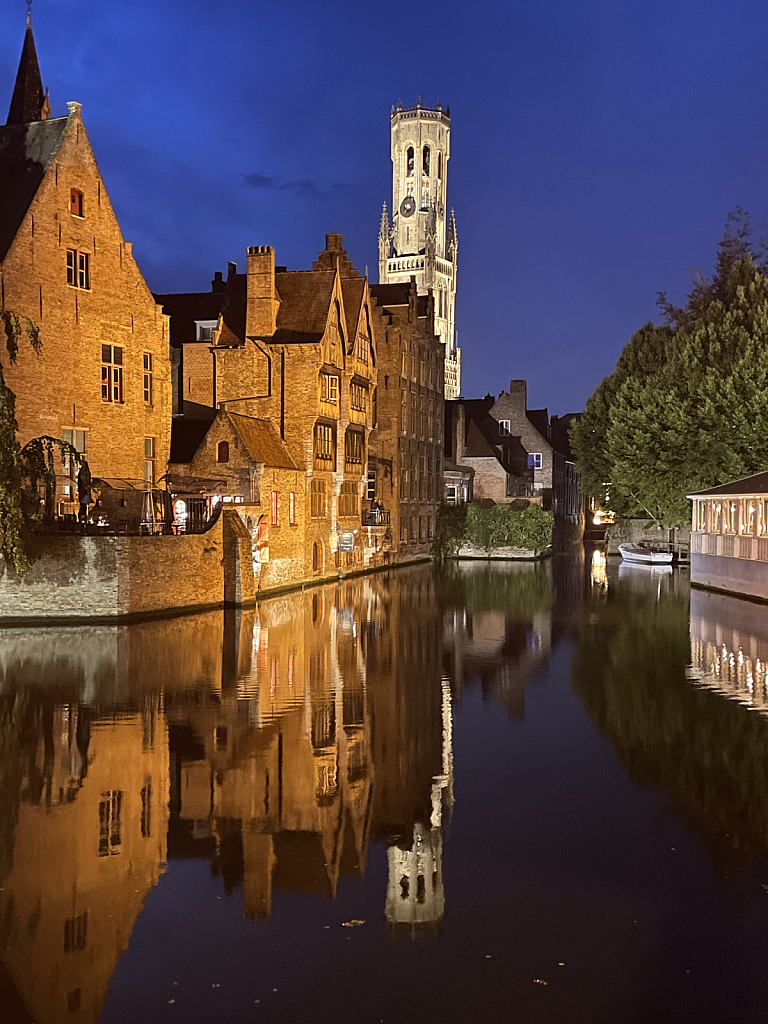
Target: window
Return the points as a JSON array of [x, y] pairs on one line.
[[371, 491], [534, 460], [78, 269], [404, 411], [440, 166], [409, 157], [149, 459], [292, 508], [146, 809], [204, 330], [148, 378], [325, 444], [348, 500], [354, 447], [110, 828], [425, 161], [504, 430], [76, 933], [275, 508], [329, 387], [317, 559], [403, 364], [112, 373], [79, 441], [76, 202], [450, 495], [317, 499], [362, 348], [222, 451]]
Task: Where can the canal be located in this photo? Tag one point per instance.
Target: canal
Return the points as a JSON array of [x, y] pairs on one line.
[[531, 793]]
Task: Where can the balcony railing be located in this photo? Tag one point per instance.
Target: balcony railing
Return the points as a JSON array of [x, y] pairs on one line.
[[378, 517]]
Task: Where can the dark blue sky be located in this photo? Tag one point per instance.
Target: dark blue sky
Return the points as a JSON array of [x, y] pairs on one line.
[[597, 147]]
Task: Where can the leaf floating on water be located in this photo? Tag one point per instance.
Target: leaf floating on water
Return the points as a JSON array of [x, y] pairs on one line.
[[540, 981], [354, 923]]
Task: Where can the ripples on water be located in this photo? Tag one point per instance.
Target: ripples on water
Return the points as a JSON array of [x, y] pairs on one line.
[[529, 792]]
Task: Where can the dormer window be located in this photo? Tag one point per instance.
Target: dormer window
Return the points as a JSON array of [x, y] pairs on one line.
[[76, 203], [204, 330], [504, 430]]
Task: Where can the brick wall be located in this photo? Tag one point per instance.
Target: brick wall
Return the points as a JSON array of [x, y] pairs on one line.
[[512, 406], [113, 576], [61, 388]]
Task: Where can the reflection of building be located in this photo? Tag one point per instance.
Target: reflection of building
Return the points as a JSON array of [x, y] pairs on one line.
[[272, 778], [90, 843]]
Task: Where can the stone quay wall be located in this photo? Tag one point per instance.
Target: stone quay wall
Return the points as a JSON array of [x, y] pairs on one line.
[[112, 577]]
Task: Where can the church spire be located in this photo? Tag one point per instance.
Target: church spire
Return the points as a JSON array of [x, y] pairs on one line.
[[29, 101]]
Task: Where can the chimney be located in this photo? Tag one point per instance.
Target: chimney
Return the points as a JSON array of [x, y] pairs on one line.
[[217, 284], [333, 243], [261, 312], [518, 392]]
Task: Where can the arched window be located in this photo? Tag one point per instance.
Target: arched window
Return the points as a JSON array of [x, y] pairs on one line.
[[317, 557], [440, 166], [425, 161], [409, 162], [222, 451]]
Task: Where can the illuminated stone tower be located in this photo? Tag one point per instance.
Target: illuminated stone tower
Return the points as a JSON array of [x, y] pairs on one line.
[[421, 240]]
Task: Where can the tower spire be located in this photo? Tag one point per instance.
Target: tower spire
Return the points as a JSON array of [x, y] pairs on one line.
[[29, 101]]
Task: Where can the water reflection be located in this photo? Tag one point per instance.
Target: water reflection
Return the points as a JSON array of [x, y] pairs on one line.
[[277, 747]]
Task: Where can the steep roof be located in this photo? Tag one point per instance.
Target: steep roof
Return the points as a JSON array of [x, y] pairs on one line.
[[352, 289], [185, 308], [261, 441], [26, 152], [477, 445], [539, 418], [233, 310], [305, 298], [757, 484], [29, 101]]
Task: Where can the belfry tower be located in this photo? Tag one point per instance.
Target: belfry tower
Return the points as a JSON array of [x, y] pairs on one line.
[[421, 241]]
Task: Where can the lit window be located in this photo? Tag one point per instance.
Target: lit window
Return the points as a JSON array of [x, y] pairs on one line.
[[325, 444], [149, 459], [76, 202], [534, 460], [358, 396], [275, 508], [317, 499], [222, 451], [112, 373], [504, 428], [79, 441], [148, 378]]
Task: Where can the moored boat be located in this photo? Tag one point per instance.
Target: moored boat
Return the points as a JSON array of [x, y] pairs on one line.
[[644, 556]]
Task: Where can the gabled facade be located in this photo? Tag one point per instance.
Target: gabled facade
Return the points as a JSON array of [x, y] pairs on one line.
[[102, 379], [296, 349], [407, 442]]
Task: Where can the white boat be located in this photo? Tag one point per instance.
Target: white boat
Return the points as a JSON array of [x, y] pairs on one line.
[[644, 556]]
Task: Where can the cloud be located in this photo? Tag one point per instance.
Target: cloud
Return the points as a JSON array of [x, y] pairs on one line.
[[296, 186]]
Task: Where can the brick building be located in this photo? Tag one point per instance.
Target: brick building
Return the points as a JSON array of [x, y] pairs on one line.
[[102, 380], [295, 349], [407, 441]]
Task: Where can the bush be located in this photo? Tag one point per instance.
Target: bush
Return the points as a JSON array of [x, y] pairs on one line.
[[499, 526]]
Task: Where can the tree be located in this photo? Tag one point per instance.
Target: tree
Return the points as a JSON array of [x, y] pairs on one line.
[[684, 408], [23, 470]]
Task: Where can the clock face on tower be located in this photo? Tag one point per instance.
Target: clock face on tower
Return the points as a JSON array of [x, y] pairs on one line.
[[408, 206]]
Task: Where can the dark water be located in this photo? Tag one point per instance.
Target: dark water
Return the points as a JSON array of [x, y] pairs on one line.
[[535, 794]]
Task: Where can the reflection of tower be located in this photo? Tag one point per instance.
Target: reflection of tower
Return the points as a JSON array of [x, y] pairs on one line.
[[415, 892], [422, 240]]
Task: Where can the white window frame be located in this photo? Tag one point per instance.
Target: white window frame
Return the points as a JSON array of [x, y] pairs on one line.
[[201, 325], [504, 428], [537, 460]]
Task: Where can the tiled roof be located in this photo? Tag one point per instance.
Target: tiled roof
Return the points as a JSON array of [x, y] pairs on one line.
[[392, 294], [352, 289], [305, 298], [262, 441], [186, 307], [283, 337], [757, 484], [477, 445], [26, 152], [28, 100], [539, 418]]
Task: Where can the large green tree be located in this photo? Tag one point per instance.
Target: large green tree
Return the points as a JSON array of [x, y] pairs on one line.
[[685, 407]]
